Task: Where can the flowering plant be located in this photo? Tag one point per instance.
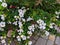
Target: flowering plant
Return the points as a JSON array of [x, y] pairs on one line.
[[19, 19]]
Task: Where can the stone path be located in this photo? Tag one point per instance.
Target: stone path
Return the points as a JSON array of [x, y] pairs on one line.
[[50, 40], [43, 40]]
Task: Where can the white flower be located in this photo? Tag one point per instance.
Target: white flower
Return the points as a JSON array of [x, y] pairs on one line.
[[57, 16], [31, 28], [4, 4], [57, 13], [23, 8], [40, 21], [3, 41], [20, 31], [15, 16], [42, 27], [23, 37], [1, 29], [2, 17], [0, 0], [1, 37], [47, 33], [23, 20], [20, 24], [2, 24], [9, 22], [18, 38], [30, 43], [29, 19], [29, 32], [15, 23], [51, 25], [21, 12], [28, 37]]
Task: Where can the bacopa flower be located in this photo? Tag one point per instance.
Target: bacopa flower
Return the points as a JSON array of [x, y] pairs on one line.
[[0, 0], [2, 24], [2, 17], [29, 19], [23, 20], [57, 16], [21, 12], [28, 37], [51, 25], [20, 24], [1, 29], [20, 31], [47, 33], [31, 28], [57, 13], [29, 32], [15, 23], [3, 41], [18, 38], [41, 23], [23, 37], [30, 43], [1, 37], [4, 4]]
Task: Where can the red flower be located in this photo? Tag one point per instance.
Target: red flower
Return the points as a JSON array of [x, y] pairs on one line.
[[11, 6]]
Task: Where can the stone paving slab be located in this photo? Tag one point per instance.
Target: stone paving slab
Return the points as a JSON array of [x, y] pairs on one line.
[[57, 42], [41, 42], [49, 42], [52, 37], [44, 37]]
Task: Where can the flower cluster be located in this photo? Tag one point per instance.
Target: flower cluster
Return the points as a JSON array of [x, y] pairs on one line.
[[42, 24], [22, 12], [20, 23], [2, 23], [3, 41]]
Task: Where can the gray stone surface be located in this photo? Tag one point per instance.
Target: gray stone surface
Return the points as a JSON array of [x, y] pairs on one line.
[[49, 42], [57, 42], [41, 42], [44, 37]]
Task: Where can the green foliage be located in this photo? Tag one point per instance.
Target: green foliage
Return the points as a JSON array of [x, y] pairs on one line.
[[45, 11]]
